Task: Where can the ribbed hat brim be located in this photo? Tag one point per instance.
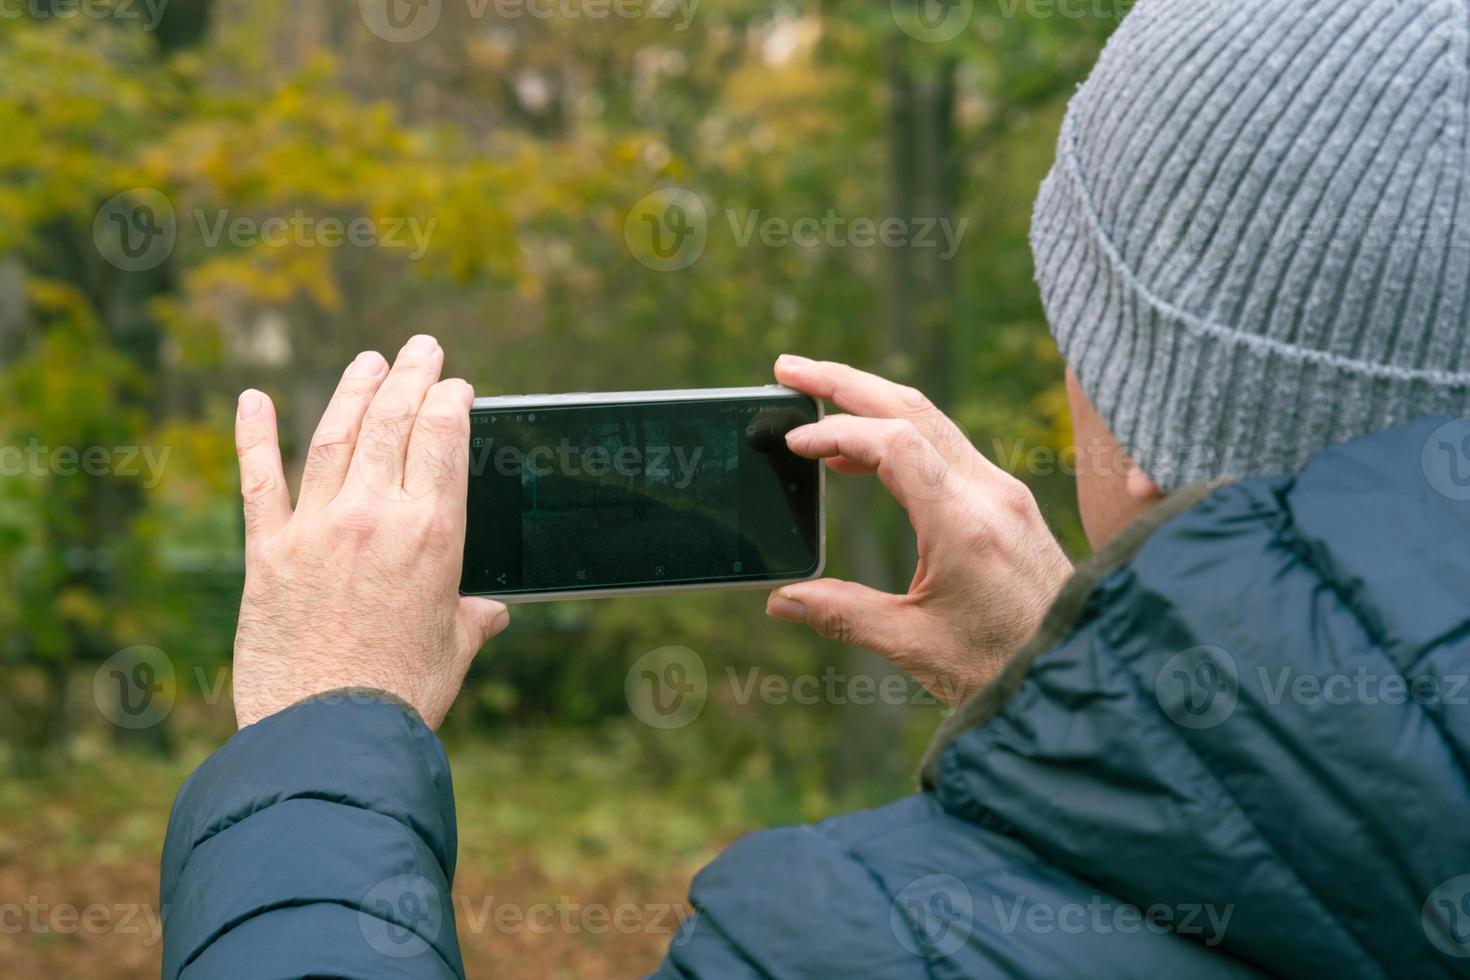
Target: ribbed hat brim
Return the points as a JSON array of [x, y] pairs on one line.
[[1189, 400]]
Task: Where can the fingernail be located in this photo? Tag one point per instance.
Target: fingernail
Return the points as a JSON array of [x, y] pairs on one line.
[[793, 360], [798, 434], [502, 620], [251, 403], [421, 344], [368, 364], [783, 607]]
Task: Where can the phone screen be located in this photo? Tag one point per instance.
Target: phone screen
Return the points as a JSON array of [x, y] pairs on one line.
[[584, 497]]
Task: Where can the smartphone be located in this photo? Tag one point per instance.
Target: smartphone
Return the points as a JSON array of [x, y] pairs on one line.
[[584, 495]]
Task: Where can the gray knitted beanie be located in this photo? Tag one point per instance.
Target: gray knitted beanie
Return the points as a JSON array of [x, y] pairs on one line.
[[1254, 243]]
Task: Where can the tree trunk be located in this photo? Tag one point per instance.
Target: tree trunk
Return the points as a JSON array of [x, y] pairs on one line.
[[915, 346]]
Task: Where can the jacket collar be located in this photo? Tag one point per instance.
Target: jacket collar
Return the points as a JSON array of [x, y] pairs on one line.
[[1058, 621]]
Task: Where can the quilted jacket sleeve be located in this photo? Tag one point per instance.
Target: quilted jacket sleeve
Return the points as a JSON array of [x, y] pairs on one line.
[[790, 902], [318, 842]]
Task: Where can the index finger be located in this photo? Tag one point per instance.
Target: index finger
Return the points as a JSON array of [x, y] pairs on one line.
[[860, 393], [438, 449], [381, 454], [911, 469]]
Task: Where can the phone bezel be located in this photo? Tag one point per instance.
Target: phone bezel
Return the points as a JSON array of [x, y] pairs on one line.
[[501, 403]]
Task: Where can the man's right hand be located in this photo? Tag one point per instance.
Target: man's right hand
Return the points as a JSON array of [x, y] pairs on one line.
[[358, 587], [988, 565]]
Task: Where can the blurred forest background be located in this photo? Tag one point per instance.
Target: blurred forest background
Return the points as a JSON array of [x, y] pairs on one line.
[[520, 138]]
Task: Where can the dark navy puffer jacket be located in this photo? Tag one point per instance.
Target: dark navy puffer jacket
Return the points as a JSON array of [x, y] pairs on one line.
[[1236, 748]]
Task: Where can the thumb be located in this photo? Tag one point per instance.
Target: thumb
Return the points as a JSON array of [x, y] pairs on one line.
[[846, 612], [480, 619]]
